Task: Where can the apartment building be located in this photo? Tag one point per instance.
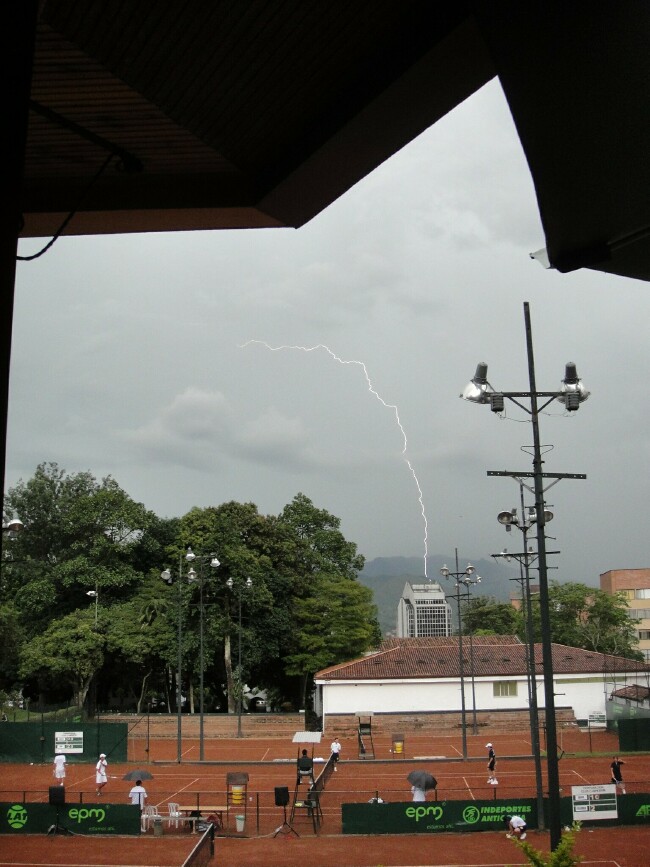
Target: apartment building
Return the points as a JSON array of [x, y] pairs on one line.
[[635, 584]]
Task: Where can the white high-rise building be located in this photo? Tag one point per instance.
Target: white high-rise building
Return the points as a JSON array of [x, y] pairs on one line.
[[423, 611]]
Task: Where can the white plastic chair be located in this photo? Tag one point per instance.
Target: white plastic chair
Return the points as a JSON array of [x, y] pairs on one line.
[[149, 813], [175, 814]]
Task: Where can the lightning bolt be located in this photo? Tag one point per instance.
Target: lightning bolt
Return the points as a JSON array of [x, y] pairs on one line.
[[372, 391]]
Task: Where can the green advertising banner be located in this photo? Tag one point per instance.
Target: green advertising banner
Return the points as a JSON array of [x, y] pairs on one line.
[[28, 818], [38, 742], [432, 817]]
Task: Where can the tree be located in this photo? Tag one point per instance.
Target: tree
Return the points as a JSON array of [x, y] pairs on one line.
[[334, 615], [324, 546], [337, 621], [243, 541], [562, 855], [141, 638], [587, 617], [485, 615], [11, 639], [71, 650], [81, 535]]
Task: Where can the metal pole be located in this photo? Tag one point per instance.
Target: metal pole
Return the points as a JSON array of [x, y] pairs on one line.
[[532, 671], [179, 667], [460, 660], [471, 672], [555, 825], [201, 662], [240, 684]]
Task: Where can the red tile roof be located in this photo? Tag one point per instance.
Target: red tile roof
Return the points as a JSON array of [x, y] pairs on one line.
[[634, 692], [492, 655]]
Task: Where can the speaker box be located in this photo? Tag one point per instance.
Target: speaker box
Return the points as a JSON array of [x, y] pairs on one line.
[[57, 796], [281, 796]]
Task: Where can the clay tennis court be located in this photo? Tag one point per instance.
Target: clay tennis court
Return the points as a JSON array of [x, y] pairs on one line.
[[271, 763]]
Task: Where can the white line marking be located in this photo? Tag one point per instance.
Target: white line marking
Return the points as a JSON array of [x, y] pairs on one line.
[[471, 793]]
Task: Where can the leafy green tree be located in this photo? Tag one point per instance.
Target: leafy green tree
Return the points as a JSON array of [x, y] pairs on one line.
[[562, 856], [71, 650], [139, 637], [484, 615], [337, 621], [303, 606], [334, 615], [11, 639], [323, 545], [80, 535], [587, 617], [243, 541]]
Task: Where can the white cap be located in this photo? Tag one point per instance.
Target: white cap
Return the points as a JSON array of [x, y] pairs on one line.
[[488, 745], [102, 755]]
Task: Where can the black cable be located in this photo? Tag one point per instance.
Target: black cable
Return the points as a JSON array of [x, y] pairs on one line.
[[61, 228]]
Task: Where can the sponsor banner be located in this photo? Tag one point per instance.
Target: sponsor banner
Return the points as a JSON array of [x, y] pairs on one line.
[[28, 818], [435, 816]]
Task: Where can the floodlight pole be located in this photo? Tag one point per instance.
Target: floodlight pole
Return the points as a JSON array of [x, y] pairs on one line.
[[240, 684], [462, 579], [525, 558], [553, 770], [192, 578], [179, 669], [571, 394]]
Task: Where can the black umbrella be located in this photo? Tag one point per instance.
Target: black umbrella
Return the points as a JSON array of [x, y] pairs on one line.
[[138, 775], [422, 780]]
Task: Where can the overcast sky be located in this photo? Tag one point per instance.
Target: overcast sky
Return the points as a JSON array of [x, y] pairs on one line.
[[131, 358]]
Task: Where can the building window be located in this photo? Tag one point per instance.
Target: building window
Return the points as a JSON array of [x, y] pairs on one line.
[[644, 634], [431, 618], [504, 687], [638, 613], [644, 593]]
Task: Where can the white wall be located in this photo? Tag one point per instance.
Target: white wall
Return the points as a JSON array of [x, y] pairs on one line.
[[586, 694]]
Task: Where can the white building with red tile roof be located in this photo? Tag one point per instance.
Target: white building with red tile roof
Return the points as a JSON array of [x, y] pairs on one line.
[[423, 676]]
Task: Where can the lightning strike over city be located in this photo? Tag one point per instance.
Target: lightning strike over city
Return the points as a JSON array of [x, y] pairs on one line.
[[372, 390]]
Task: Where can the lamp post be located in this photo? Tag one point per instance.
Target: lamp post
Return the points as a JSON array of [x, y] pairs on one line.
[[463, 581], [94, 594], [571, 393], [471, 671], [166, 576], [192, 578], [240, 686], [525, 559], [13, 527]]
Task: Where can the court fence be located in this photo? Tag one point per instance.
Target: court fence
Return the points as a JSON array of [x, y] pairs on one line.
[[38, 742]]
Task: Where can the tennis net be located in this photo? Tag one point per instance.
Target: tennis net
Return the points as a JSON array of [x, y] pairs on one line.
[[203, 852]]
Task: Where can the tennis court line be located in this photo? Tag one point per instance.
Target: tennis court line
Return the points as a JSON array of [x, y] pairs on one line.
[[179, 791], [584, 779], [469, 789]]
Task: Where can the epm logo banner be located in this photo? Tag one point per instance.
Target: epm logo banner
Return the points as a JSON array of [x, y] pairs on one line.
[[473, 816], [28, 818]]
